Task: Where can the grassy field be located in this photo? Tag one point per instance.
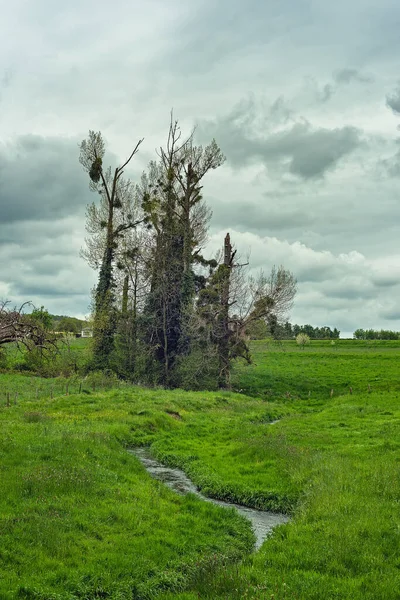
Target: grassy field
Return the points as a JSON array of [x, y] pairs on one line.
[[80, 518], [283, 369]]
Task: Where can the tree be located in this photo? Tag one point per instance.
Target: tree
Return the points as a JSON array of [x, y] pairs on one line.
[[178, 217], [114, 218], [302, 339], [232, 301], [42, 317], [69, 324], [16, 326]]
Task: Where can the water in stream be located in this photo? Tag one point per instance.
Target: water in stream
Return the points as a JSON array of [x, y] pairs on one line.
[[262, 522]]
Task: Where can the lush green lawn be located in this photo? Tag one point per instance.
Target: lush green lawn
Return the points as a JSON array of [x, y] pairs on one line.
[[81, 519]]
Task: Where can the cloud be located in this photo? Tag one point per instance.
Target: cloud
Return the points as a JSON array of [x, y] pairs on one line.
[[346, 290], [40, 263], [257, 218], [298, 147], [300, 171], [341, 77], [44, 193], [40, 178], [391, 314], [393, 100], [348, 75]]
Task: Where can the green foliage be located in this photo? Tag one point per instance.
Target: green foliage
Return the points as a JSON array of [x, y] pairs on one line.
[[372, 334], [3, 358], [42, 317], [289, 331], [257, 330], [198, 370], [124, 360], [96, 170], [68, 357], [105, 318], [69, 324]]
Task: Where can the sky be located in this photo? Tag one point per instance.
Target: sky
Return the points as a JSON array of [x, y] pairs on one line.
[[303, 97]]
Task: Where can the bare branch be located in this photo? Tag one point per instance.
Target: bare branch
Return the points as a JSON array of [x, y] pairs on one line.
[[134, 151]]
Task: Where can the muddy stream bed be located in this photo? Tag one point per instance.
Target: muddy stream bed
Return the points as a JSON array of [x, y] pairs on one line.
[[262, 522]]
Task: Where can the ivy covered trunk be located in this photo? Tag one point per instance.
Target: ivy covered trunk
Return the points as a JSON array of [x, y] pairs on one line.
[[105, 316], [223, 333]]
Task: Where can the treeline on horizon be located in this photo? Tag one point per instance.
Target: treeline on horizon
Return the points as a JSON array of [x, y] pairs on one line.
[[374, 334], [287, 331], [260, 330]]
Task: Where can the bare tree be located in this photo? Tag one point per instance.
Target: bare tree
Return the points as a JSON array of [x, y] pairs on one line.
[[18, 327], [232, 300], [115, 217]]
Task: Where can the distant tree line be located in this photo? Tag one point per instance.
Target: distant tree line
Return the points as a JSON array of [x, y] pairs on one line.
[[67, 324], [372, 334], [289, 331], [163, 312]]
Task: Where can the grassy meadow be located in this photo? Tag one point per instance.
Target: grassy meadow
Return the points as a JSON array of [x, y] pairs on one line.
[[81, 519]]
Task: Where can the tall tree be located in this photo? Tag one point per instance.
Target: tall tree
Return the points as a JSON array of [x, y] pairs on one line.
[[231, 301], [112, 216], [179, 218]]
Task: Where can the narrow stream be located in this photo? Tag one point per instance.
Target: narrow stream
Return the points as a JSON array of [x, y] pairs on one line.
[[262, 522]]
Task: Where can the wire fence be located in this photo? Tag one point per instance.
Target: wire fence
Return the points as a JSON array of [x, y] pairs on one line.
[[36, 388]]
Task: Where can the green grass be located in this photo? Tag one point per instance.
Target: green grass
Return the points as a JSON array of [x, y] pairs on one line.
[[72, 356], [80, 518], [282, 370]]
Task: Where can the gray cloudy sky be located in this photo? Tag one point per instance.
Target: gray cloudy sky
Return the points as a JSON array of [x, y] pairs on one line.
[[303, 96]]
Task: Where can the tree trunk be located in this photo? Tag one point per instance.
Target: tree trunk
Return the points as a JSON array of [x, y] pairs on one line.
[[104, 321], [224, 334], [125, 290]]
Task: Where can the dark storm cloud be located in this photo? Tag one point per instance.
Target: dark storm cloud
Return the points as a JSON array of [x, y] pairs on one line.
[[386, 280], [391, 314], [393, 100], [300, 148], [40, 178], [350, 290], [256, 217], [348, 75], [341, 77], [391, 165], [40, 262]]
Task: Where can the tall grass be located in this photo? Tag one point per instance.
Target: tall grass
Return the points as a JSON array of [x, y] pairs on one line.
[[80, 518]]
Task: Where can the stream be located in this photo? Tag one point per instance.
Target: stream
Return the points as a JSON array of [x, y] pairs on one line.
[[262, 521]]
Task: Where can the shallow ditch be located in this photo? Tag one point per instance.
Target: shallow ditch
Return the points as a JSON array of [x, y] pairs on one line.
[[262, 521]]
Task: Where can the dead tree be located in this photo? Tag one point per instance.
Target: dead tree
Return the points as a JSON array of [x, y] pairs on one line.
[[19, 327]]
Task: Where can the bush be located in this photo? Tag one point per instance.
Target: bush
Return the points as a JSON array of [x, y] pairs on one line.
[[3, 359], [198, 370], [302, 339]]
